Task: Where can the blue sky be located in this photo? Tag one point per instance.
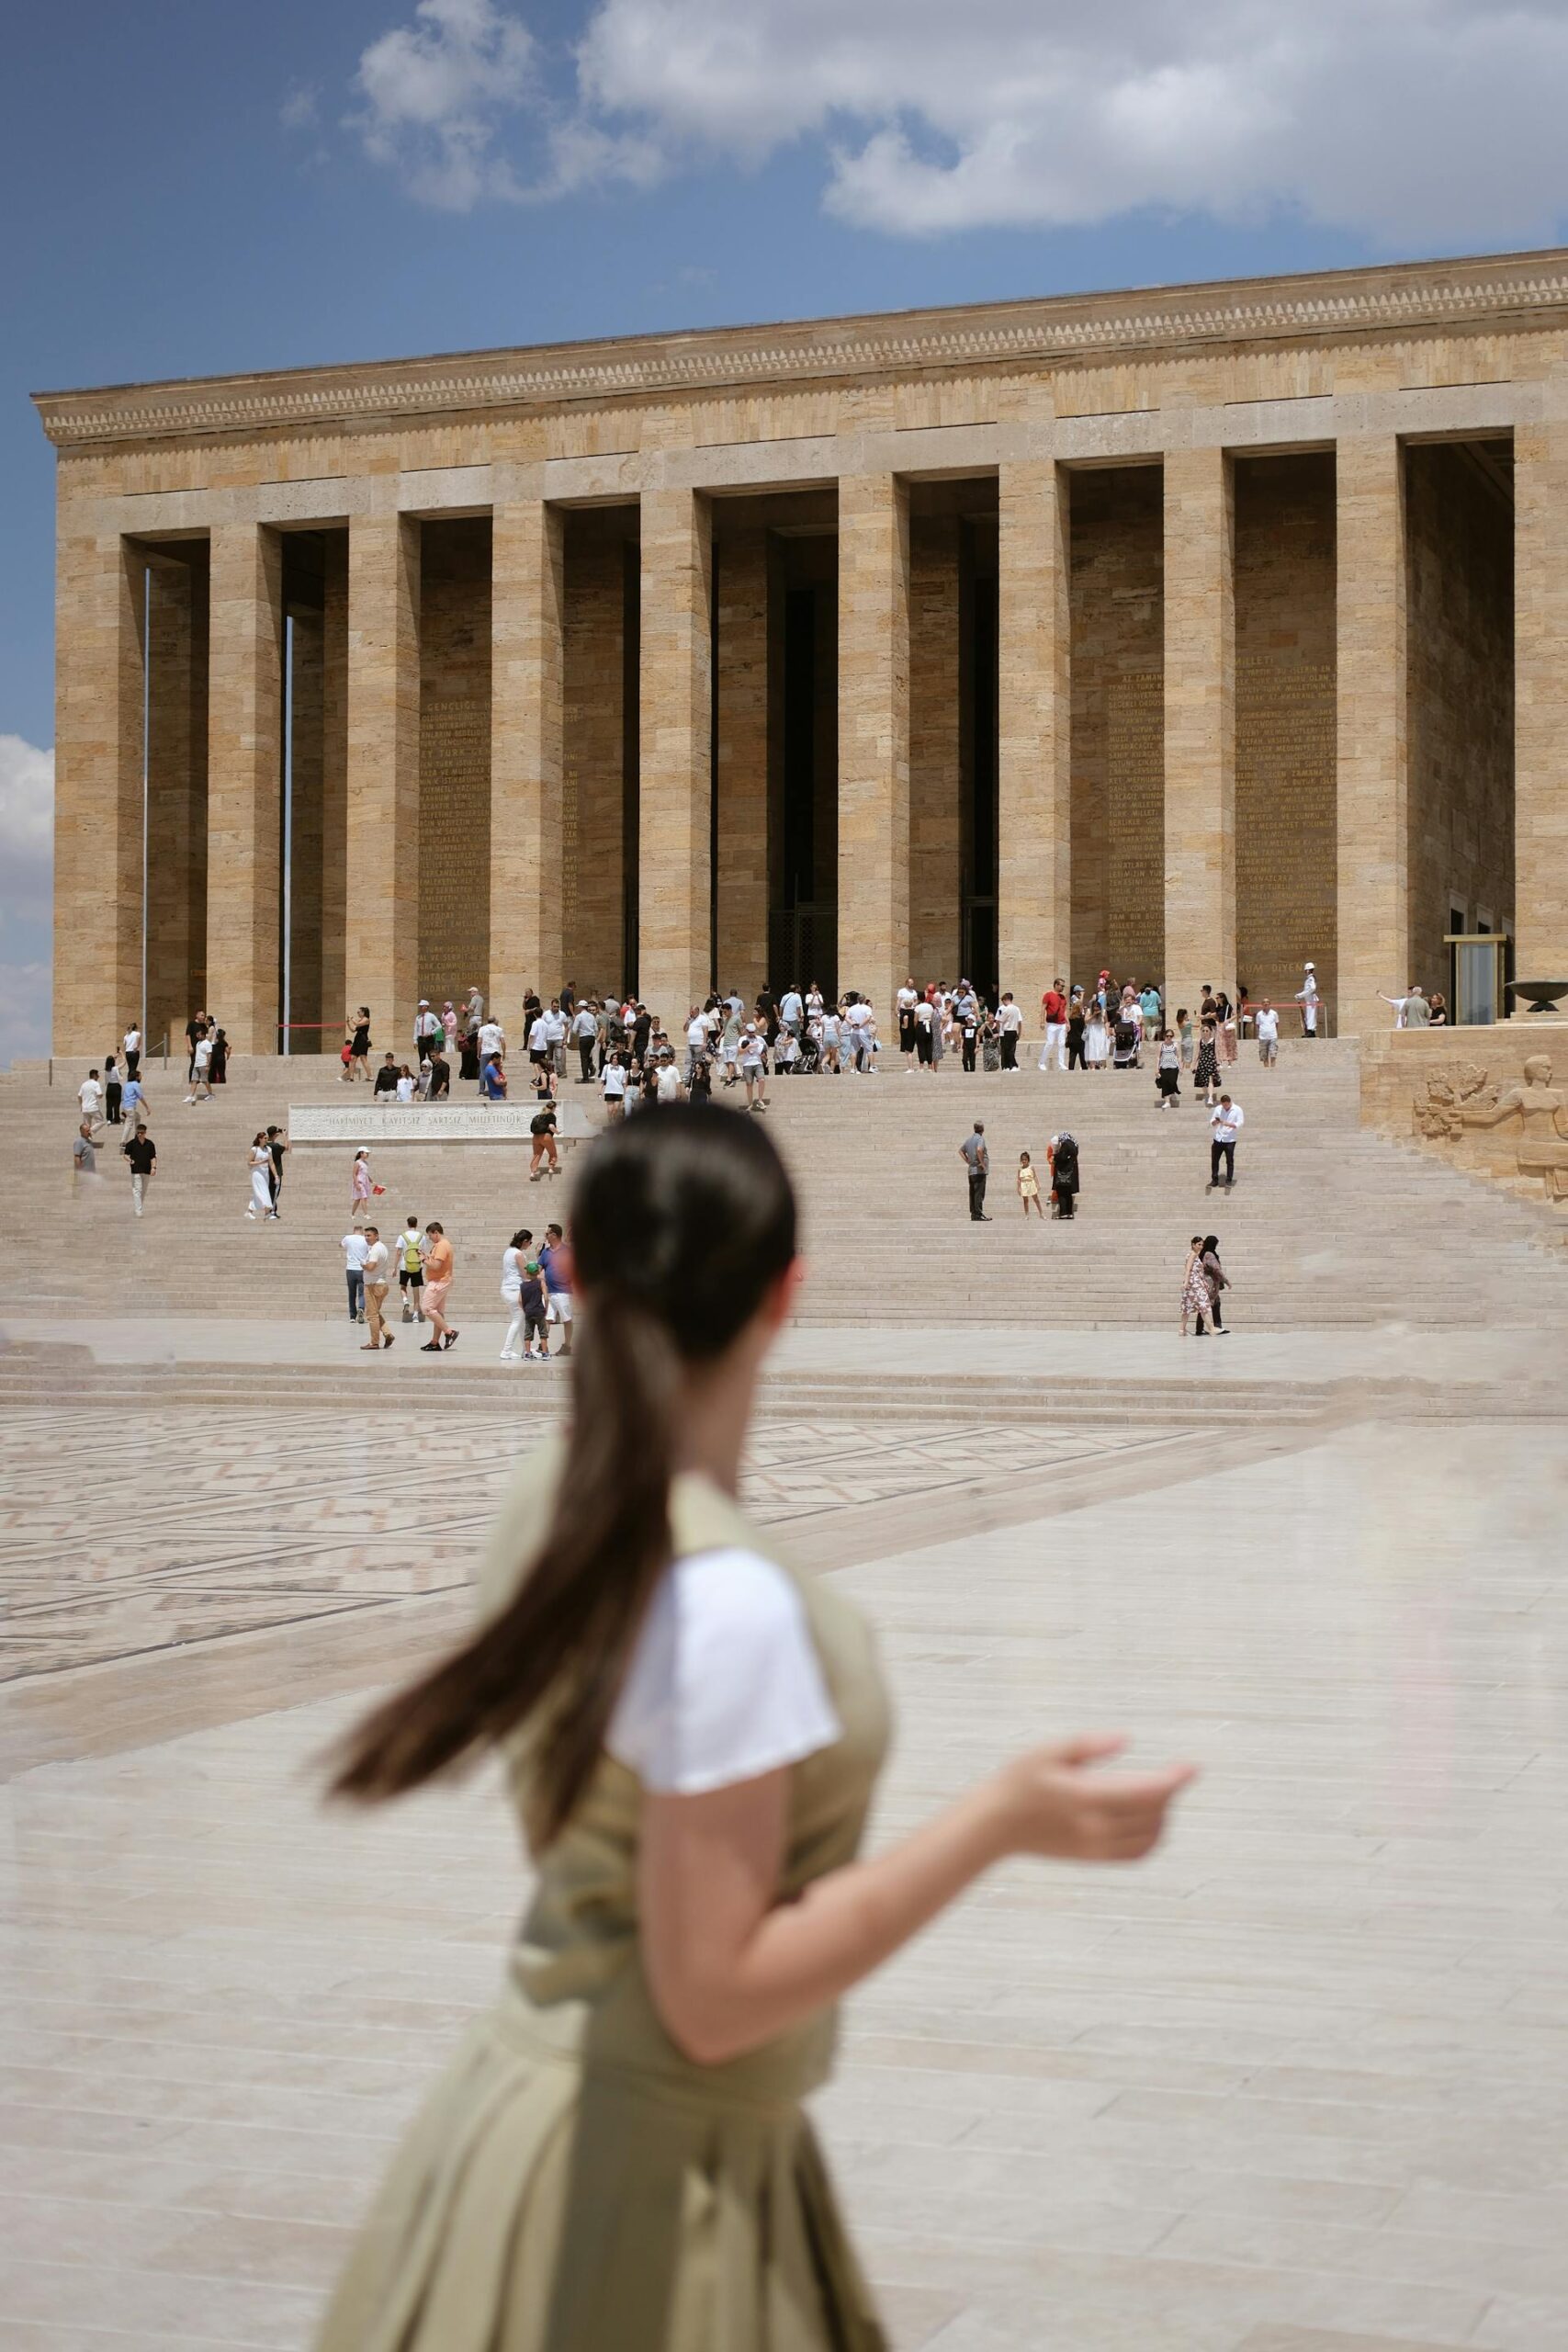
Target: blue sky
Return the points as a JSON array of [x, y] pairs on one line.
[[195, 188]]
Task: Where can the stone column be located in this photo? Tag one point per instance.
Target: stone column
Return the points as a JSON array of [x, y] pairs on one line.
[[1372, 824], [741, 752], [1200, 727], [97, 789], [245, 786], [674, 858], [1540, 711], [382, 861], [1034, 726], [526, 878], [874, 739]]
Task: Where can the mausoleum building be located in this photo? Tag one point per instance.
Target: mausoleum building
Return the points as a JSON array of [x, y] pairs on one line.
[[1194, 633]]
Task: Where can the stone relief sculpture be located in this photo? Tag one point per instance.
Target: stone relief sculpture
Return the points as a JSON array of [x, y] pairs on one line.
[[1438, 1111], [1543, 1112]]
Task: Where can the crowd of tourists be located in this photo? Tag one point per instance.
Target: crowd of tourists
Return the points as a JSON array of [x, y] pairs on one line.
[[535, 1282]]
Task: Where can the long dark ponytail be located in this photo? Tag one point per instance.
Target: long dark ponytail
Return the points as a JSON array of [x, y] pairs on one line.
[[681, 1220]]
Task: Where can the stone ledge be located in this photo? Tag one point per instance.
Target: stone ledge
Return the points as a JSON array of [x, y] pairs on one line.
[[1488, 291]]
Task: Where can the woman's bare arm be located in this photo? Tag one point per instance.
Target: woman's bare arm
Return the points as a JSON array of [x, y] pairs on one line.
[[729, 1967]]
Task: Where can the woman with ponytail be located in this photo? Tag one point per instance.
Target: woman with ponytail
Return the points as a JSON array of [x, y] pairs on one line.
[[617, 2160]]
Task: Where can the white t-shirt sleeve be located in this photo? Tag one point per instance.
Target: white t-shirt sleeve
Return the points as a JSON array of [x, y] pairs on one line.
[[724, 1683]]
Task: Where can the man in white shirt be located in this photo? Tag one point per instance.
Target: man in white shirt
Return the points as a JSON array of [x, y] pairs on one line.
[[374, 1275], [1266, 1023], [90, 1095], [1010, 1021], [792, 1011], [200, 1083], [539, 1041], [1225, 1122], [491, 1042], [555, 1037], [356, 1249], [132, 1050], [1306, 997]]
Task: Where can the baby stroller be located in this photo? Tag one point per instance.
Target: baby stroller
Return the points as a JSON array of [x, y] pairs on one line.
[[1125, 1053], [810, 1058]]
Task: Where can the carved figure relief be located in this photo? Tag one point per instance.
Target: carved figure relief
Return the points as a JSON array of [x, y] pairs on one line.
[[1542, 1110]]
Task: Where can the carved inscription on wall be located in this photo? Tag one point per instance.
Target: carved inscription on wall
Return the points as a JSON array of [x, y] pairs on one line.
[[454, 842], [1134, 776]]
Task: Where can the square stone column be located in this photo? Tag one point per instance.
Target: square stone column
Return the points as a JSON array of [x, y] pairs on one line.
[[1034, 730], [741, 751], [1372, 824], [1540, 709], [1200, 728], [381, 961], [874, 741], [676, 739], [99, 605], [526, 846], [245, 786]]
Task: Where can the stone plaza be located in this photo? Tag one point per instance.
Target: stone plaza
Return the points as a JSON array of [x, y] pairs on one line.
[[1197, 633]]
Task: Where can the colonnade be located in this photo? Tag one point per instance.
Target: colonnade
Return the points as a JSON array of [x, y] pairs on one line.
[[519, 868]]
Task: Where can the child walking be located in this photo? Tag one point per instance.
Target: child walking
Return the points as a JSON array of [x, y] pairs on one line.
[[1029, 1187]]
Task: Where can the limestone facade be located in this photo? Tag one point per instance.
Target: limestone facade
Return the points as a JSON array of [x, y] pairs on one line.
[[1193, 633]]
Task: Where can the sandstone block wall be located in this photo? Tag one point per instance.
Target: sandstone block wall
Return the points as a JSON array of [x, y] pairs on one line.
[[176, 782], [454, 759], [1460, 531], [1118, 684], [1286, 874], [597, 788]]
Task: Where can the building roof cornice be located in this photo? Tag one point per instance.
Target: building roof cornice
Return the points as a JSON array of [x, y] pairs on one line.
[[1507, 291]]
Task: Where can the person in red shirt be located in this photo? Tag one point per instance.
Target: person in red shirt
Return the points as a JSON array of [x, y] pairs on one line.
[[1053, 1006]]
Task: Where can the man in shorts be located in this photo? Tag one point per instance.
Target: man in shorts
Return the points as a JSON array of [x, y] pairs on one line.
[[1266, 1023], [555, 1264], [410, 1271], [437, 1283]]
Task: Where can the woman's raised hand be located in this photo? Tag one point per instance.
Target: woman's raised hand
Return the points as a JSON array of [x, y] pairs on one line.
[[1053, 1802]]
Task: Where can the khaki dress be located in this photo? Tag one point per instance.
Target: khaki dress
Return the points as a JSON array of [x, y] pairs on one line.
[[575, 2184]]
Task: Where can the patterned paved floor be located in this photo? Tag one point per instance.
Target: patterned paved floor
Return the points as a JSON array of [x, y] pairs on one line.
[[127, 1533]]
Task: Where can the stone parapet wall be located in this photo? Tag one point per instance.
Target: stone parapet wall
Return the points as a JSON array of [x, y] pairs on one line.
[[1464, 1096]]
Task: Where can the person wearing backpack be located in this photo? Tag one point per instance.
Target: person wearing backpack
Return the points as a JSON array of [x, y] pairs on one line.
[[410, 1271], [1063, 1159]]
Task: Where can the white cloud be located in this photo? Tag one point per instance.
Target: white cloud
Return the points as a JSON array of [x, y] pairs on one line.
[[27, 800], [302, 108], [1409, 121], [435, 93]]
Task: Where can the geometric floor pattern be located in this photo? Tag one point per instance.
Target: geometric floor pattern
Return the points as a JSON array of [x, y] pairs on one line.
[[1298, 2084], [122, 1533]]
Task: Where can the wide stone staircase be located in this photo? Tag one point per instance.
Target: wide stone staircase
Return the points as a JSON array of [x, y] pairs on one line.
[[1329, 1225]]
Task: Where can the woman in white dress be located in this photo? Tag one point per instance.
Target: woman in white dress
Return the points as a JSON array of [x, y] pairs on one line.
[[512, 1258], [261, 1178], [1096, 1036]]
